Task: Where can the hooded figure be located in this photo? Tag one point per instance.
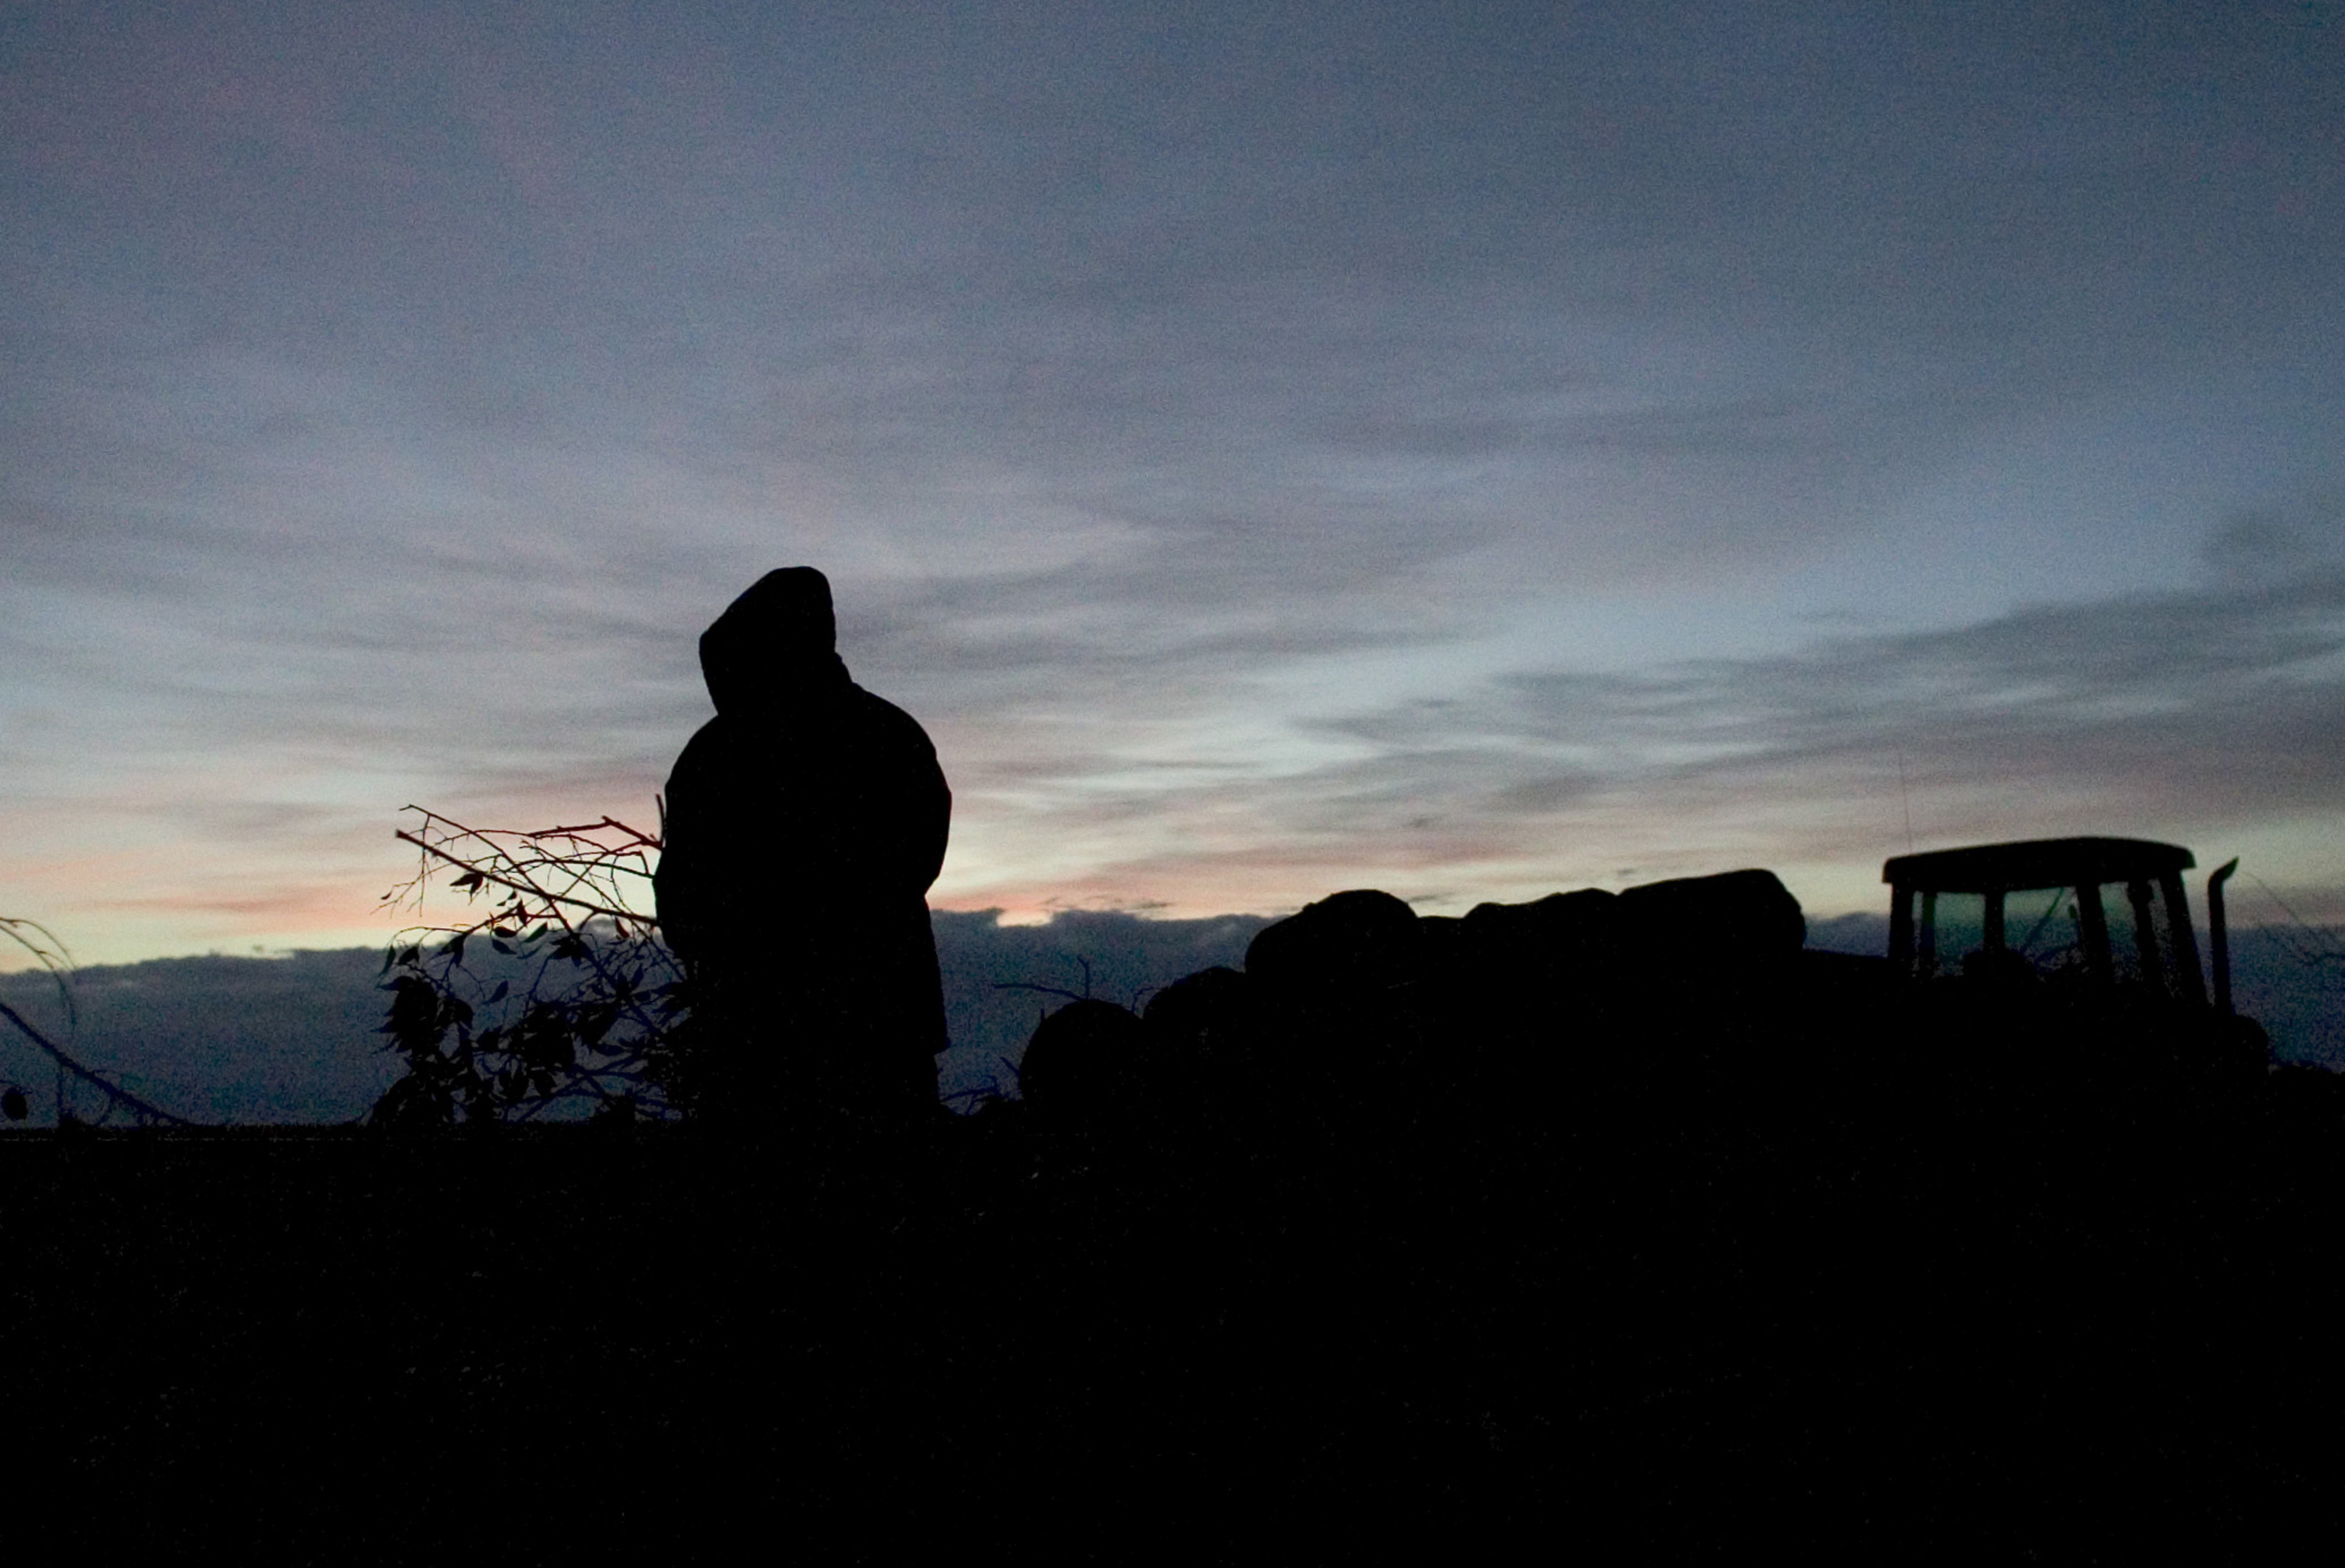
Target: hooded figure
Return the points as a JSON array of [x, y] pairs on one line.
[[805, 823]]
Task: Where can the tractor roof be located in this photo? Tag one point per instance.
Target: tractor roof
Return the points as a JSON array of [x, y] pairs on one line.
[[2036, 863]]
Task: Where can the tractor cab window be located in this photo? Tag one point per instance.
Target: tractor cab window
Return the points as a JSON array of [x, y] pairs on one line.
[[1954, 927], [2018, 933], [2108, 915], [2144, 950], [2042, 926], [2131, 934]]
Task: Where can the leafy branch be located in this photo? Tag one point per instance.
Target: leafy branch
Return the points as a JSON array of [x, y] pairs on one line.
[[582, 1001]]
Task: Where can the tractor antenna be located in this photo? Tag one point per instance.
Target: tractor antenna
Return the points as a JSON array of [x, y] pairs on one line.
[[1906, 799]]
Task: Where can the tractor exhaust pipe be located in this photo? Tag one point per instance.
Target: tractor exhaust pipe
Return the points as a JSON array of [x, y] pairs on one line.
[[2218, 936]]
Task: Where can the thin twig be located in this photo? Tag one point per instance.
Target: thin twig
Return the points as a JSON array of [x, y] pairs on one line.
[[521, 887], [113, 1091], [56, 958], [1044, 990], [2319, 953]]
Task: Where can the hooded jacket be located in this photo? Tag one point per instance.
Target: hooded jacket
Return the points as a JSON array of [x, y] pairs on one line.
[[805, 824]]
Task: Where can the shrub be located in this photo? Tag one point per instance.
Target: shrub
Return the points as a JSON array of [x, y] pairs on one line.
[[575, 1000]]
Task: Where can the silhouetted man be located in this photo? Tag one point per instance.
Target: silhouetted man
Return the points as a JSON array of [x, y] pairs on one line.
[[805, 824]]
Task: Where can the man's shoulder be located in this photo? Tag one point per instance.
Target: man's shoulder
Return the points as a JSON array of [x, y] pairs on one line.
[[857, 723], [885, 719], [708, 743]]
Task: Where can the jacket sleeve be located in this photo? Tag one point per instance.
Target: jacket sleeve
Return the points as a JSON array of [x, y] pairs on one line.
[[929, 809], [682, 889]]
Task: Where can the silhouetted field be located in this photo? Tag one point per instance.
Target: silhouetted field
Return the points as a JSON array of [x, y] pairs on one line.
[[1666, 1272], [294, 1041]]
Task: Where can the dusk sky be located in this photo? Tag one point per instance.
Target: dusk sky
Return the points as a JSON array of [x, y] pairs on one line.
[[1469, 451]]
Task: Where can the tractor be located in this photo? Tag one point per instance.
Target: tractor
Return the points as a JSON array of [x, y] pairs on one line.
[[2099, 928]]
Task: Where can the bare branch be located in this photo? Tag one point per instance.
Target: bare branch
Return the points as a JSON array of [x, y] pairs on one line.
[[524, 887], [114, 1093]]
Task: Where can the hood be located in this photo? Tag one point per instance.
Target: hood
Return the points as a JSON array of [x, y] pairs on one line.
[[774, 645]]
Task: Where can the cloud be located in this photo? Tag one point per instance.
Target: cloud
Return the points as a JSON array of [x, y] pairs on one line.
[[216, 1039], [2269, 547], [376, 434], [2185, 714], [2215, 706]]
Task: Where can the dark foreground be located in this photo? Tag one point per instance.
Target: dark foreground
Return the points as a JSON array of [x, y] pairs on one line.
[[1661, 1307]]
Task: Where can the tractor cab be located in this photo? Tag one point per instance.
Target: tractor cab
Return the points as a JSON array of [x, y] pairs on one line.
[[2088, 915]]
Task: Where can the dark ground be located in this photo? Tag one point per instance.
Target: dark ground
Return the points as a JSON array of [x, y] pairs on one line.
[[1660, 1303]]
